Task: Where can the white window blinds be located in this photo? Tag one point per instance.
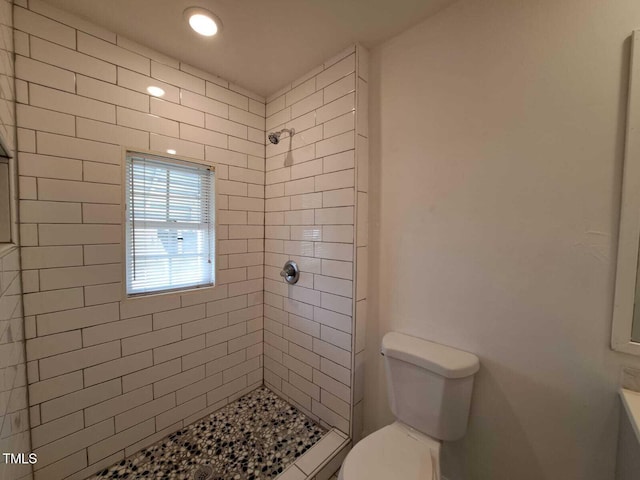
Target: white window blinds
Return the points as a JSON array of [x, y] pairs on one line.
[[170, 224]]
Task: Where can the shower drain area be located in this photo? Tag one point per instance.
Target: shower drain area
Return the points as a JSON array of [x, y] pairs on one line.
[[254, 437]]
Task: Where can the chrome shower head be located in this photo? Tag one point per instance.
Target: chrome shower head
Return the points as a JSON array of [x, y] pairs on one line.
[[274, 137]]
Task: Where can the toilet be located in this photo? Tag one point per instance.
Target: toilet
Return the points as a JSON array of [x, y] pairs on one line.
[[429, 387]]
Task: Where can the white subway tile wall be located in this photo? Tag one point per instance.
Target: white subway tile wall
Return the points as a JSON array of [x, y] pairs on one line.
[[14, 408], [315, 214], [108, 376]]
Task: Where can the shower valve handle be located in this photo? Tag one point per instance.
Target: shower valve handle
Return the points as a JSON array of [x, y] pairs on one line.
[[290, 272]]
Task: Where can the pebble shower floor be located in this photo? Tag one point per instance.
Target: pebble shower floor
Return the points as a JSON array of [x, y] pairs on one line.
[[255, 437]]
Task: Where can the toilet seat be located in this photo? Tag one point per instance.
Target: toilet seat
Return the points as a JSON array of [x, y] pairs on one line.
[[395, 451]]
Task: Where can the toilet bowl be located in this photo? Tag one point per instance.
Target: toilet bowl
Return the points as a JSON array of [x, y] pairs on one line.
[[429, 387], [393, 452]]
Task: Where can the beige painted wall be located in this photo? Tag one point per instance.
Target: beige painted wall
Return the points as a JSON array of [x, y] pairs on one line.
[[497, 132]]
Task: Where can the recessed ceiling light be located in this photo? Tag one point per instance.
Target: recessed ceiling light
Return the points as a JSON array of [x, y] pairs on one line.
[[155, 91], [171, 151], [203, 21]]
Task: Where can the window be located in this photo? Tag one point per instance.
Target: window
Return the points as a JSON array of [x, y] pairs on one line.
[[169, 224]]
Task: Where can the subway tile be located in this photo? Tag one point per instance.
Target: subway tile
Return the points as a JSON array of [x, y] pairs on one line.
[[339, 125], [301, 91], [277, 119], [176, 112], [140, 83], [204, 104], [113, 94], [340, 88], [337, 144], [68, 147], [196, 72], [363, 108], [69, 103], [338, 372], [32, 211], [338, 405], [113, 54], [151, 123], [228, 127], [42, 73], [181, 411], [334, 268], [147, 341], [226, 157], [227, 96], [334, 251], [338, 198], [70, 191], [247, 118], [307, 104], [330, 417], [183, 148], [200, 357], [208, 324], [176, 382], [177, 349], [246, 175], [65, 277], [177, 78], [45, 302], [201, 135], [75, 360], [244, 146], [101, 213], [150, 375], [178, 316], [40, 26], [102, 173], [336, 337], [63, 467], [46, 346], [51, 323], [198, 388], [56, 429], [257, 107], [48, 10], [119, 404], [114, 443], [336, 303], [226, 390], [42, 391], [306, 169], [339, 115], [299, 217], [101, 294], [337, 233], [65, 446], [335, 216], [71, 60], [336, 71], [147, 52], [45, 120], [336, 180], [76, 401], [117, 368], [116, 330], [332, 386], [139, 414]]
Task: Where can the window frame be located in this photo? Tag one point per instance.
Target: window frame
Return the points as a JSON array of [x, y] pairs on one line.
[[126, 296]]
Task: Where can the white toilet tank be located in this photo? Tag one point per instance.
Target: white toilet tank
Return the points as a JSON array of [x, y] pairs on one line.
[[429, 385]]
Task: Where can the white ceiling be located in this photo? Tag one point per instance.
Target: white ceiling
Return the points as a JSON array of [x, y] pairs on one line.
[[264, 44]]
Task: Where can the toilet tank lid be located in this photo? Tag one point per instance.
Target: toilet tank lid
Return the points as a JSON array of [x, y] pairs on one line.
[[441, 359]]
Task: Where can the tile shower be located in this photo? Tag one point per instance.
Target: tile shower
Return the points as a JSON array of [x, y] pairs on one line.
[[110, 380]]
